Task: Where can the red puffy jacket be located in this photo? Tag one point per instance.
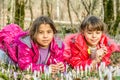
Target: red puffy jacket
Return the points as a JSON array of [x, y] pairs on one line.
[[76, 50]]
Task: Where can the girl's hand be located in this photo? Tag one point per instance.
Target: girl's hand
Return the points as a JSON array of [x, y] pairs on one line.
[[54, 68], [61, 66], [104, 48], [93, 64], [101, 52]]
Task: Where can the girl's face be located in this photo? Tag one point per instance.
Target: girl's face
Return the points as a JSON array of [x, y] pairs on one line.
[[92, 37], [45, 35]]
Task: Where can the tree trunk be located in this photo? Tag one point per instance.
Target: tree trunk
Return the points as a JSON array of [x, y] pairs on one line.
[[87, 7], [109, 14], [31, 12], [58, 10], [19, 12], [116, 25], [76, 12], [3, 13], [42, 7], [9, 9], [69, 13], [48, 8]]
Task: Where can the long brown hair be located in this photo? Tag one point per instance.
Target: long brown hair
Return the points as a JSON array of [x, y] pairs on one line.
[[36, 24]]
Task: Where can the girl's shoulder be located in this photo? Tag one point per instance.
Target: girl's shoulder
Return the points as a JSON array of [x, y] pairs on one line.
[[23, 38], [78, 37], [26, 40], [106, 40], [70, 37], [58, 41]]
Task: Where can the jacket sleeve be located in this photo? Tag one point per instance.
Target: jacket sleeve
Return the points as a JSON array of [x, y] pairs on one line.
[[58, 49], [79, 57], [67, 51], [25, 59], [118, 48]]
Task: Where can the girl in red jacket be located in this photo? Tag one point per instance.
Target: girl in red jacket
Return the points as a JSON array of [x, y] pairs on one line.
[[39, 48], [89, 47]]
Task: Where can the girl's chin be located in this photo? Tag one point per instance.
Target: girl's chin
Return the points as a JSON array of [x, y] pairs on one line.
[[93, 44], [44, 46]]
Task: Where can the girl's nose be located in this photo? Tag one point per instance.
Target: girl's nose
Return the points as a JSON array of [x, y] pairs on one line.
[[45, 35], [94, 34]]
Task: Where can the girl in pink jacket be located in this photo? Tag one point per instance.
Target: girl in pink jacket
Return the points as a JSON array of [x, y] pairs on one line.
[[39, 48], [89, 47]]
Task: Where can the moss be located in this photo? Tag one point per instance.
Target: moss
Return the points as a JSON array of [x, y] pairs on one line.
[[115, 59], [3, 76]]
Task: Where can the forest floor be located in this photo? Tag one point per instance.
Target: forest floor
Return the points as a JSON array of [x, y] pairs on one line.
[[115, 57]]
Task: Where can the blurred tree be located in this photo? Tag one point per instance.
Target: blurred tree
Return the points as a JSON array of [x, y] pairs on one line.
[[0, 12], [69, 13], [90, 5], [3, 12], [75, 10], [31, 12], [109, 14], [65, 12], [48, 8], [116, 28], [58, 9], [19, 12], [42, 7], [8, 9]]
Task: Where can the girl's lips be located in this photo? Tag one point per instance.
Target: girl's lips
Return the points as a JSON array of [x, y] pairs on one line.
[[94, 41], [45, 40]]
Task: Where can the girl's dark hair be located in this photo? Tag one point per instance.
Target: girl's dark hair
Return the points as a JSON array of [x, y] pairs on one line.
[[37, 22], [92, 23]]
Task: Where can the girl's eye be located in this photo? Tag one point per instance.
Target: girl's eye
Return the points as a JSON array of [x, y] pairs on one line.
[[50, 31], [89, 32], [98, 32], [40, 32]]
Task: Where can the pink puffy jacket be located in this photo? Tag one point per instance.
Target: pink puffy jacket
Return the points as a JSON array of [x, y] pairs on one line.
[[19, 47], [76, 50], [7, 37], [28, 52]]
